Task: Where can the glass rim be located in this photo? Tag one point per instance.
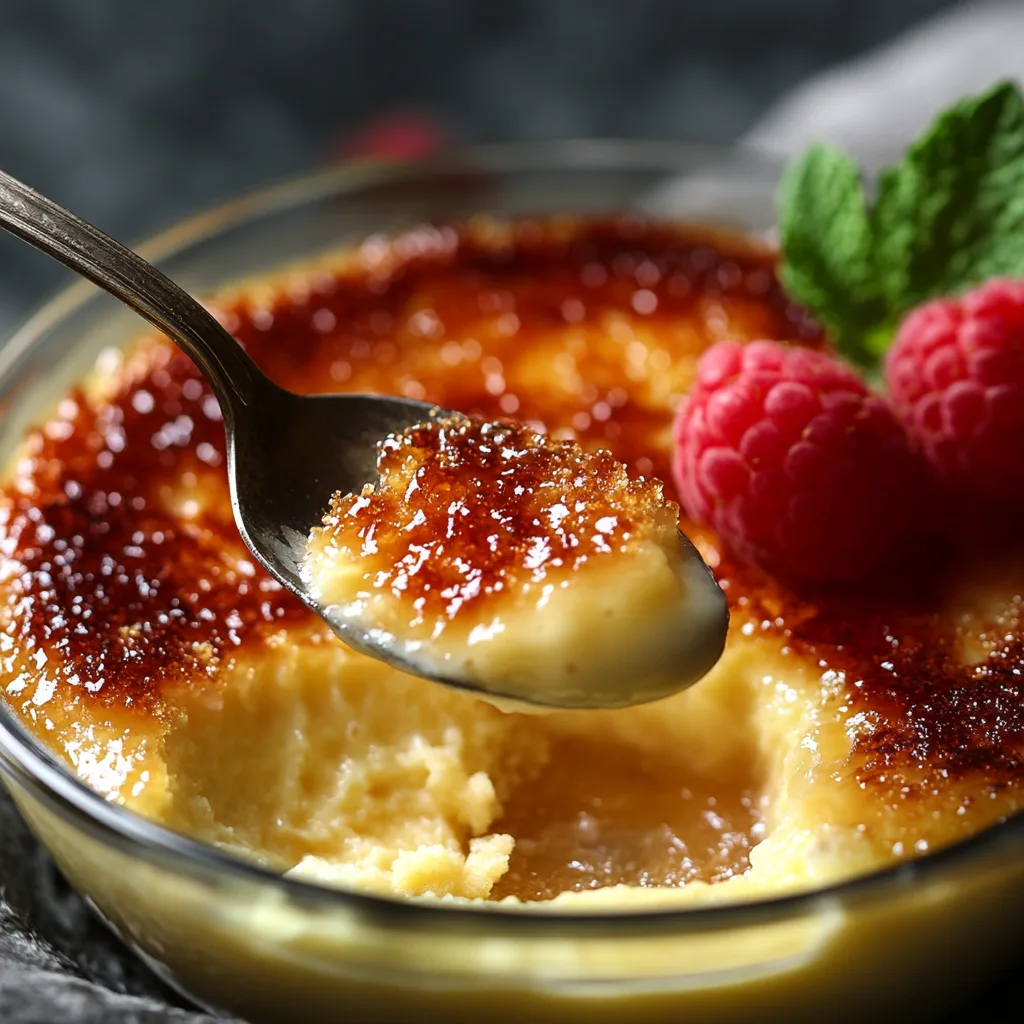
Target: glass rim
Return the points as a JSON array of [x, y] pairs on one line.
[[37, 769]]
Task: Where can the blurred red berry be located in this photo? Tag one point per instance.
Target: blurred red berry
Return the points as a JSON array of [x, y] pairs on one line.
[[955, 376], [399, 135], [795, 463]]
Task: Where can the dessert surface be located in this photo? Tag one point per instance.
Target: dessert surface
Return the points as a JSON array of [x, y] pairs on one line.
[[844, 727]]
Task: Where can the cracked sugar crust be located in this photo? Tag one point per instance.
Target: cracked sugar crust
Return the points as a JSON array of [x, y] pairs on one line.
[[467, 512]]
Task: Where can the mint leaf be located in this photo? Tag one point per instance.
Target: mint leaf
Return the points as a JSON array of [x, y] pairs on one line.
[[829, 246], [947, 216], [951, 213]]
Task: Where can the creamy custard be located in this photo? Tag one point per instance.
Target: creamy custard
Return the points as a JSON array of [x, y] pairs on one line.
[[840, 731], [523, 567]]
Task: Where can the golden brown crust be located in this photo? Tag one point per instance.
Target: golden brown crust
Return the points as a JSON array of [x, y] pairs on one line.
[[926, 667], [590, 332], [467, 511], [111, 597]]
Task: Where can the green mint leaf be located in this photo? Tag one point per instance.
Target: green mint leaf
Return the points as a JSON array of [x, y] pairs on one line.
[[829, 246], [947, 216], [951, 213]]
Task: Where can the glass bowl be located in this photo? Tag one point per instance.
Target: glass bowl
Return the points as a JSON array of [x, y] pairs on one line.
[[910, 940]]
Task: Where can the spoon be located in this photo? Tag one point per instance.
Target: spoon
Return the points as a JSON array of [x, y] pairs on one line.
[[288, 453]]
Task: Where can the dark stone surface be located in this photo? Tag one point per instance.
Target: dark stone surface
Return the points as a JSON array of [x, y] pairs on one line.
[[58, 964], [138, 114]]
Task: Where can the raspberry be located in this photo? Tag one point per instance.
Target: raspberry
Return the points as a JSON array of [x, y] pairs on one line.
[[795, 463], [398, 135], [956, 379]]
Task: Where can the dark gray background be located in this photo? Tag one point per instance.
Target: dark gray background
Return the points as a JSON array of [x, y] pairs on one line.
[[138, 113]]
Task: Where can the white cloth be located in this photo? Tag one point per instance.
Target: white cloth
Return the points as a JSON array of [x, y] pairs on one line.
[[874, 105]]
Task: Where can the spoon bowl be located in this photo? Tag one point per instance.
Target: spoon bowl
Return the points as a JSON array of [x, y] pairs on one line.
[[286, 462], [288, 453]]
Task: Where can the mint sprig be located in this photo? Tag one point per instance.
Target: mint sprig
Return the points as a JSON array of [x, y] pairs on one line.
[[949, 215]]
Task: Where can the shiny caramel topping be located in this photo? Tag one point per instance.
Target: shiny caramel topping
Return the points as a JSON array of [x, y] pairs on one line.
[[591, 331], [123, 573], [468, 511], [928, 666]]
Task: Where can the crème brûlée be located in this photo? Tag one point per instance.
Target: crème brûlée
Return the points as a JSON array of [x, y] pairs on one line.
[[519, 566], [840, 731]]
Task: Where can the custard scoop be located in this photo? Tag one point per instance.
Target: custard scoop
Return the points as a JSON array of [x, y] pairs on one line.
[[490, 557]]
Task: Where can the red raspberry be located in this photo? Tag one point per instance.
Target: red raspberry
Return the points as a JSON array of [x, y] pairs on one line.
[[795, 463], [956, 379]]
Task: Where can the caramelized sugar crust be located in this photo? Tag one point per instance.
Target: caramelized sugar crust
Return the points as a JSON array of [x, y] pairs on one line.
[[467, 511], [111, 597], [114, 595], [930, 666]]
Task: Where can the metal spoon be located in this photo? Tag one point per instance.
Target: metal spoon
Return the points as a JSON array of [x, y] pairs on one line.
[[287, 453]]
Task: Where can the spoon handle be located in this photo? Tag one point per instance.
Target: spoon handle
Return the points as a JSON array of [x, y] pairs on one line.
[[74, 242]]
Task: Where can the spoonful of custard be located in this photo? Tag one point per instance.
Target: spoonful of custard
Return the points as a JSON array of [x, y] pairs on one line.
[[482, 556], [496, 558]]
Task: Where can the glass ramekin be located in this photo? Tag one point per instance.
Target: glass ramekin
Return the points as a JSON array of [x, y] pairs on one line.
[[904, 943]]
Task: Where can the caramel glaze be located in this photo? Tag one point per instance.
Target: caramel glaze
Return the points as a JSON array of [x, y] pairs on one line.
[[467, 511], [588, 331]]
